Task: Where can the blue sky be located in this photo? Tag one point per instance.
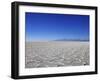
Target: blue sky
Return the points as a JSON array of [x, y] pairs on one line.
[[46, 27]]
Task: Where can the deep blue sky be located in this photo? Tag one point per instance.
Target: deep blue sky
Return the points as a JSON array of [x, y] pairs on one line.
[[45, 27]]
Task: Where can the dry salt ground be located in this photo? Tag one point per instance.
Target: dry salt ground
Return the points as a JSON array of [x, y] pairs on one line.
[[56, 54]]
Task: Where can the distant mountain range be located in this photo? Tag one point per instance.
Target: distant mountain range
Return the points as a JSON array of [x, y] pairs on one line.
[[71, 40]]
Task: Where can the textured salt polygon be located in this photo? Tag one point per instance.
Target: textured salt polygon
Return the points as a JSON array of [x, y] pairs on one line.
[[56, 54]]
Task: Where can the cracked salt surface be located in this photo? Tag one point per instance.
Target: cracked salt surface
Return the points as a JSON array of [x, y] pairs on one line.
[[56, 54]]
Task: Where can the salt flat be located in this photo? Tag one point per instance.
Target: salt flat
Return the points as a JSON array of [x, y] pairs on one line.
[[56, 54]]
